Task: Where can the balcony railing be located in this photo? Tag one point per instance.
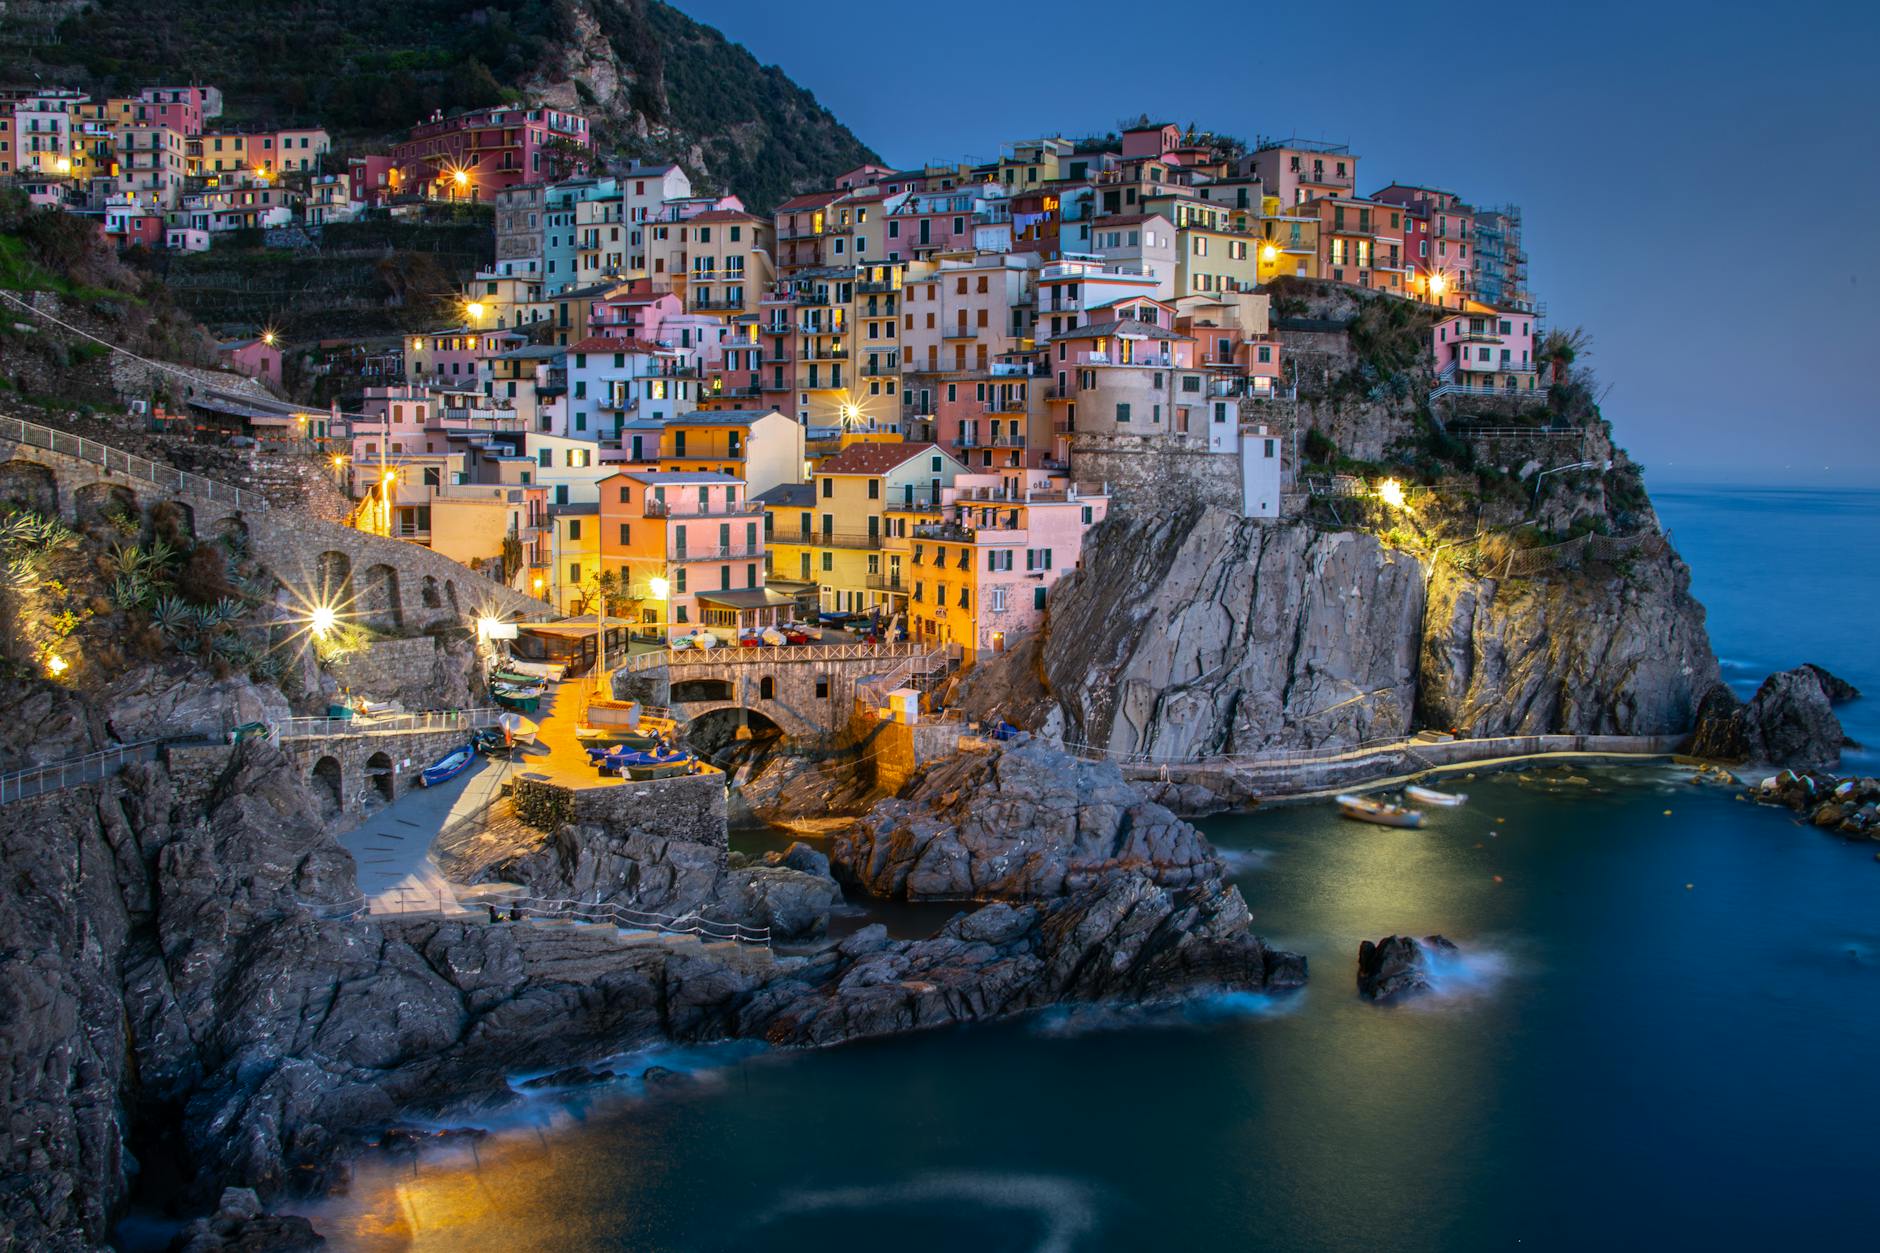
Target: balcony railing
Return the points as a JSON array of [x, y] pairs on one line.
[[962, 332], [841, 539], [719, 552], [887, 582], [685, 509], [881, 369], [1014, 440], [869, 287], [717, 305]]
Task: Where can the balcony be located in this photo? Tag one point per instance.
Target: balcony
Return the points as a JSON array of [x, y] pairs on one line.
[[880, 369], [871, 287], [742, 390], [692, 509], [835, 352], [1324, 177], [722, 552], [717, 306], [1013, 440], [962, 332], [1147, 360], [841, 539], [887, 582]]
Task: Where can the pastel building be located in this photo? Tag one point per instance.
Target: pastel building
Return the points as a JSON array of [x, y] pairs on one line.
[[1298, 170], [1483, 350], [475, 154], [982, 572], [613, 380], [688, 548], [761, 448]]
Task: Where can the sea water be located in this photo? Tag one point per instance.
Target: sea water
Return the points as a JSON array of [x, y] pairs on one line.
[[1661, 1030]]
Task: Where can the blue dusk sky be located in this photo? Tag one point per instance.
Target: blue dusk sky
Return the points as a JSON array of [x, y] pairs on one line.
[[1700, 181]]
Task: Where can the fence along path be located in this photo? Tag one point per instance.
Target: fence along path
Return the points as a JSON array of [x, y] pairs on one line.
[[156, 473], [56, 776], [548, 909]]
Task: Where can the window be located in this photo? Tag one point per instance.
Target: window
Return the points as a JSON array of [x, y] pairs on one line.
[[828, 488], [574, 572], [822, 687], [828, 562], [1037, 598], [574, 528], [1122, 411], [678, 580], [626, 533]]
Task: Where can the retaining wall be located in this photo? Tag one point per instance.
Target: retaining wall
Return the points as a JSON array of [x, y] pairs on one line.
[[689, 808]]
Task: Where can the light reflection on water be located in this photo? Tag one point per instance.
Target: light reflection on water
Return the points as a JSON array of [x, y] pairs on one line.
[[1608, 1046]]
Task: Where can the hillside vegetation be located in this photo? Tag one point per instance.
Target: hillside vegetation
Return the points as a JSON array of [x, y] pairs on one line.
[[659, 84]]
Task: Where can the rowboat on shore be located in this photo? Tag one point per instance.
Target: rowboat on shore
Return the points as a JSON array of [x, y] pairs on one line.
[[447, 767], [1383, 813], [1430, 796]]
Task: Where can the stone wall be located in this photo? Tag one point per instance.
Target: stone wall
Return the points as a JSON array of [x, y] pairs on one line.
[[1151, 472], [340, 768], [792, 700], [688, 808], [419, 673], [899, 749]]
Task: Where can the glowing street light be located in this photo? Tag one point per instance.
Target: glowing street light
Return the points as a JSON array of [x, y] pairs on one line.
[[659, 587], [459, 177], [475, 310], [269, 338], [322, 621], [1269, 254], [1438, 285], [1390, 491], [56, 665]]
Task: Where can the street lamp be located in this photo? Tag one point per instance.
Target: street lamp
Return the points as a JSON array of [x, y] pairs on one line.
[[475, 310]]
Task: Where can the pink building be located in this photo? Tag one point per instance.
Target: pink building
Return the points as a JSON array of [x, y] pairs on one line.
[[474, 155], [258, 358], [1151, 141], [982, 574], [453, 356], [1481, 350], [374, 178], [635, 313]]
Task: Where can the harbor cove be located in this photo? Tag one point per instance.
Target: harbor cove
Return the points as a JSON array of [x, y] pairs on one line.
[[597, 660]]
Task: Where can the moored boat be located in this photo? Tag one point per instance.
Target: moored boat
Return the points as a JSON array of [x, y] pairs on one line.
[[1430, 796], [447, 767], [1383, 813]]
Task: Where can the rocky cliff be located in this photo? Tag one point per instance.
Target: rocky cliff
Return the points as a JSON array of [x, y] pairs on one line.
[[182, 1010], [1197, 633]]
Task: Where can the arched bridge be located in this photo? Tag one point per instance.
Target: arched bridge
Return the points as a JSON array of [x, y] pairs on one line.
[[807, 690]]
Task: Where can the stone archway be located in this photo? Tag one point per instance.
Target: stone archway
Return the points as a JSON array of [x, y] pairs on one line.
[[333, 579], [450, 596], [29, 485], [428, 594], [329, 785], [687, 691], [379, 770], [99, 502], [378, 604]]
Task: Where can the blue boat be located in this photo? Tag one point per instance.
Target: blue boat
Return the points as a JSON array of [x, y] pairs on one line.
[[646, 763], [447, 767]]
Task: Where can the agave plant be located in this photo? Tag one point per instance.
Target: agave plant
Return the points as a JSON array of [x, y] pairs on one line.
[[130, 591], [172, 617], [229, 609]]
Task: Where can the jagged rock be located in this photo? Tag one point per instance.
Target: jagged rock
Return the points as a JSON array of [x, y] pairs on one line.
[[1195, 632], [1790, 721], [799, 856], [1023, 821], [569, 1077], [1120, 938], [1396, 965], [1721, 733], [1837, 690], [791, 903]]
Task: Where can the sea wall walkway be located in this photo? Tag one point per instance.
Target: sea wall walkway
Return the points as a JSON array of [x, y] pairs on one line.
[[1214, 783]]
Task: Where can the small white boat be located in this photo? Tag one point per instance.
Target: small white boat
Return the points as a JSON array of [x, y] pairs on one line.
[[773, 637], [519, 729], [1383, 813], [549, 670], [1430, 796]]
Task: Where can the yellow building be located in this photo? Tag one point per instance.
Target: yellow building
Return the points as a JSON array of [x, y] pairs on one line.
[[1211, 256], [6, 141], [728, 268], [576, 557], [761, 447], [833, 531], [1032, 163], [1289, 241]]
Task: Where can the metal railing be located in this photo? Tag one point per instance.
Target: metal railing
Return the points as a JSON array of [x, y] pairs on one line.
[[677, 509], [117, 460], [59, 775], [717, 552], [769, 654], [366, 724], [533, 908]]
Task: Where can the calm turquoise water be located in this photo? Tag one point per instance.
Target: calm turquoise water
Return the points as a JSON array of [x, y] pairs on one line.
[[1663, 1032]]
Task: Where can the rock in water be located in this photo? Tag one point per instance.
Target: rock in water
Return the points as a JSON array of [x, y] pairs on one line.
[[1836, 689], [1023, 821], [1396, 965], [1791, 721]]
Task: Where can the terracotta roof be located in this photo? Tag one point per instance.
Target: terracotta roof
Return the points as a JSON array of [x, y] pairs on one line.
[[722, 215], [874, 458], [1121, 326], [809, 200]]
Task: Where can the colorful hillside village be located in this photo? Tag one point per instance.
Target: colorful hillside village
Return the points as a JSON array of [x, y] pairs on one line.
[[903, 400]]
